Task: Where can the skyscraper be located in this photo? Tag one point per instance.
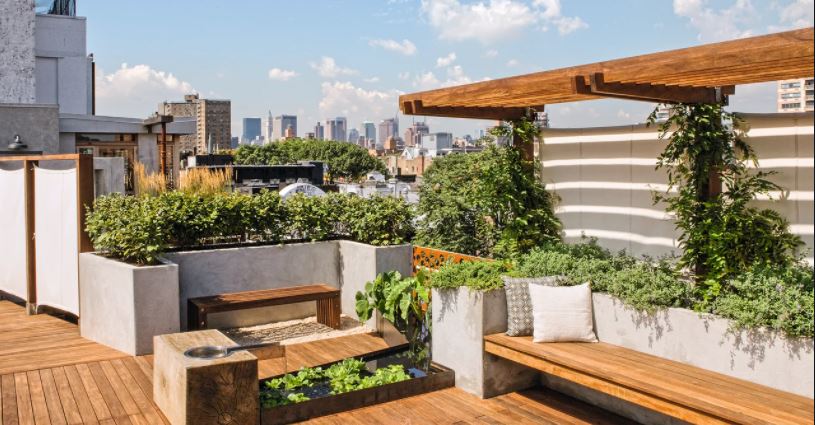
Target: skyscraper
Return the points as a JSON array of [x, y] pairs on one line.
[[268, 128], [342, 129], [388, 128], [281, 123], [796, 95], [413, 135], [330, 130], [319, 132], [369, 131], [213, 121], [353, 135], [251, 129]]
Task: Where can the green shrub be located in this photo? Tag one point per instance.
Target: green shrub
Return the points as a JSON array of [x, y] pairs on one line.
[[777, 298], [139, 229], [476, 275], [128, 228]]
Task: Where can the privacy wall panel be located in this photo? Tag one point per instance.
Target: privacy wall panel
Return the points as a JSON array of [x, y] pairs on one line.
[[12, 230]]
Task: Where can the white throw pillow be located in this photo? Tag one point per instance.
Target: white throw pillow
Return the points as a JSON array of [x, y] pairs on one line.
[[562, 313]]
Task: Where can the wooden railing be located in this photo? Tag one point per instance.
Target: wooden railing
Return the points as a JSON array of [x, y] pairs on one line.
[[431, 258]]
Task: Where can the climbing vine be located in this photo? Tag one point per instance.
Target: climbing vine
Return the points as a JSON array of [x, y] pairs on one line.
[[710, 190]]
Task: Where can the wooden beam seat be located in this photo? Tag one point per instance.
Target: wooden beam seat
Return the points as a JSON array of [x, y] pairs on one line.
[[675, 389], [327, 298]]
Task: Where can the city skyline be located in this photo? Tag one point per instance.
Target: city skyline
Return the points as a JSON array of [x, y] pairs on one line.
[[358, 71]]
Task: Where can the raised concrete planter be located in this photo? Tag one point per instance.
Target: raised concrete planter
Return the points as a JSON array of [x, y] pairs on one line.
[[461, 318], [124, 306], [708, 342], [152, 300]]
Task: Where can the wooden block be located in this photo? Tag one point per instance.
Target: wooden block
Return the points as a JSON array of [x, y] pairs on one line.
[[204, 391]]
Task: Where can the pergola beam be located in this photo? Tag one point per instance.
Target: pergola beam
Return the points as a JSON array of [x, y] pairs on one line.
[[659, 93], [684, 75], [487, 113]]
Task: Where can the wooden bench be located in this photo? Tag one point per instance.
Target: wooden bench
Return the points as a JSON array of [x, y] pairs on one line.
[[675, 389], [327, 298]]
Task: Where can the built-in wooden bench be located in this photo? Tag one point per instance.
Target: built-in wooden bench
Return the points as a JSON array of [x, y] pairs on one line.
[[679, 390], [327, 298]]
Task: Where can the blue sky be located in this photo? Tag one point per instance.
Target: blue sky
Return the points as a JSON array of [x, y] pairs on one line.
[[320, 59]]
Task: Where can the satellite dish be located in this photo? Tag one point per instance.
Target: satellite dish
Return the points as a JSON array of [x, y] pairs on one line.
[[304, 188]]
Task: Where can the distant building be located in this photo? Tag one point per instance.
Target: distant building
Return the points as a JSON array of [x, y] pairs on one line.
[[268, 128], [235, 141], [281, 123], [435, 142], [310, 135], [353, 135], [330, 130], [369, 132], [319, 132], [413, 135], [341, 131], [251, 129], [387, 128], [796, 95], [214, 121], [290, 133], [542, 119], [663, 113]]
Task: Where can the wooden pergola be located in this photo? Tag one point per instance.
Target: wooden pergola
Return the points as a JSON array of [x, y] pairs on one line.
[[701, 74]]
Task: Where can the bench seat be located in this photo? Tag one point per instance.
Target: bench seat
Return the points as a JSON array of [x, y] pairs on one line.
[[327, 298], [675, 389]]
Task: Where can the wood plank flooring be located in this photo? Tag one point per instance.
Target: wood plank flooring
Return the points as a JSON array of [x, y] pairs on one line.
[[50, 375], [43, 341]]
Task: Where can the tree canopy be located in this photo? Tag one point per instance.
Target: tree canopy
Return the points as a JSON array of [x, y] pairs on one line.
[[345, 161], [486, 204]]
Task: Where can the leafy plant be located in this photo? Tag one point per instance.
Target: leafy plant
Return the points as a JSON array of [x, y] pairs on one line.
[[345, 161], [721, 234], [383, 376], [476, 275], [406, 303], [128, 227], [486, 204]]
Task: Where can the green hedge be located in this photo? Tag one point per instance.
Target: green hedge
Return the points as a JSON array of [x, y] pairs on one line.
[[139, 229], [778, 298]]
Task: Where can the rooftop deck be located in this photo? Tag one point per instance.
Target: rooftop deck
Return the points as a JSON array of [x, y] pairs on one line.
[[51, 375]]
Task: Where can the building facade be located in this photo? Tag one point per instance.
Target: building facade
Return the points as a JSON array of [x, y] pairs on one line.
[[281, 124], [796, 95], [251, 130], [369, 132], [414, 133], [214, 122], [353, 135], [268, 128], [387, 128], [435, 142], [319, 132], [342, 129]]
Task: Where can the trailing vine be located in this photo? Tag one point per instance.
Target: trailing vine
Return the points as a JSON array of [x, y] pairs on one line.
[[710, 188]]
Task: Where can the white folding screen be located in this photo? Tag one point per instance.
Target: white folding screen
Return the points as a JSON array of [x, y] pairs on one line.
[[55, 196], [12, 231]]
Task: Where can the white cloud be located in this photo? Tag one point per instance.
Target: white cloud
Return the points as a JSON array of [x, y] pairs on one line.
[[446, 60], [328, 68], [135, 91], [798, 14], [357, 104], [455, 76], [495, 20], [405, 47], [715, 25], [491, 53], [551, 14], [512, 63], [427, 80], [403, 75], [281, 74], [371, 80]]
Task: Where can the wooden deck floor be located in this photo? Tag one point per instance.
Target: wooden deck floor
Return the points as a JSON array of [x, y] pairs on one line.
[[43, 341], [50, 375]]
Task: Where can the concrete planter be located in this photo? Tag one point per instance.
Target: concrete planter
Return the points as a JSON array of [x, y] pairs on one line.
[[708, 342], [149, 301], [461, 319], [123, 306]]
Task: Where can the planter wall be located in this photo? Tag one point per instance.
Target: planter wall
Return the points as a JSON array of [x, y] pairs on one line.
[[152, 300], [706, 341], [123, 306], [461, 319], [218, 271]]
